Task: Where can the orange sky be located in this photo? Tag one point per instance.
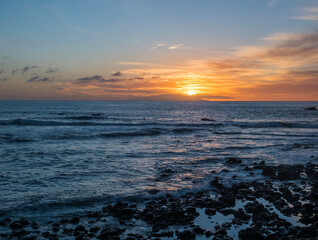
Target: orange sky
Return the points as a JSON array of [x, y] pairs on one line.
[[278, 67]]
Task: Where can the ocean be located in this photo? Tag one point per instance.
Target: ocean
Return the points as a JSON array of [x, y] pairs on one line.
[[61, 157]]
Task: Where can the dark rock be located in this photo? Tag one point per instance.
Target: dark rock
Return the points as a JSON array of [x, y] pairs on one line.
[[94, 229], [5, 221], [208, 234], [311, 109], [210, 211], [286, 172], [159, 225], [207, 119], [198, 230], [186, 234], [269, 171], [32, 237], [221, 232], [153, 191], [264, 216], [227, 211], [20, 234], [110, 233], [163, 234], [216, 183], [75, 220], [19, 224], [258, 208], [250, 234], [35, 225], [233, 160]]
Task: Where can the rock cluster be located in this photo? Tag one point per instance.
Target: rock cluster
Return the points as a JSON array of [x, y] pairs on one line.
[[266, 206]]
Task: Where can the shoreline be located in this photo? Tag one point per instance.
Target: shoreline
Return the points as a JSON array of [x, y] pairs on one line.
[[284, 206]]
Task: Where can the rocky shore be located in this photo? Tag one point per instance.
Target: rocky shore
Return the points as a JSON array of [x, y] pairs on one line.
[[283, 205]]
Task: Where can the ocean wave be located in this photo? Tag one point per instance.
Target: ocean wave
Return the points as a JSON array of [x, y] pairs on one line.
[[29, 122], [273, 124], [86, 117]]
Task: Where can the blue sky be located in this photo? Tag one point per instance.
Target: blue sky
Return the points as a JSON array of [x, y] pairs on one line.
[[68, 40]]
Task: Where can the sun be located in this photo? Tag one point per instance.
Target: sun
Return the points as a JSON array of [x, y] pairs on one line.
[[191, 92]]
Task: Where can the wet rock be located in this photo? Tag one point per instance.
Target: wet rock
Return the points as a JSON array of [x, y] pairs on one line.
[[68, 231], [163, 234], [258, 208], [311, 109], [186, 234], [286, 172], [35, 225], [110, 233], [19, 224], [198, 230], [153, 191], [75, 220], [227, 211], [159, 225], [221, 232], [264, 216], [250, 234], [210, 211], [94, 229], [233, 160], [5, 221], [239, 214], [208, 233], [80, 229], [216, 183], [32, 237], [269, 171]]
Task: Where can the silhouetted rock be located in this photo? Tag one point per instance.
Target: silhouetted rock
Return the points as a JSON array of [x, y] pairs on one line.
[[207, 119], [311, 109]]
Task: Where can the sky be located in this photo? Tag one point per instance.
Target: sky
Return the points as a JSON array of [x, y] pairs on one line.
[[159, 50]]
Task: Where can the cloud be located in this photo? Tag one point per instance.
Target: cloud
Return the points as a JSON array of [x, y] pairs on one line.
[[51, 70], [39, 79], [116, 74], [25, 69], [302, 45], [168, 46], [176, 46], [14, 71], [309, 14], [160, 44], [272, 3], [179, 97], [97, 79]]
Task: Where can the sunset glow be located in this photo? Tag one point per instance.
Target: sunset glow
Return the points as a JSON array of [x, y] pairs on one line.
[[191, 92], [61, 53]]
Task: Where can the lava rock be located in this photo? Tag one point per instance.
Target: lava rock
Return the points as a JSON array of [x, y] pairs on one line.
[[311, 109]]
